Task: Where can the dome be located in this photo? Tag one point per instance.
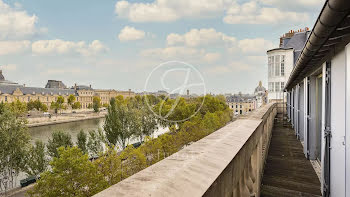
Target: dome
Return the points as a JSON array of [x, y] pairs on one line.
[[260, 89]]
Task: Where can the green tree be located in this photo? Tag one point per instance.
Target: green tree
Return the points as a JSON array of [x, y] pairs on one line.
[[109, 164], [36, 160], [37, 104], [96, 103], [58, 139], [119, 124], [18, 108], [71, 100], [14, 143], [146, 122], [76, 105], [72, 174], [95, 141], [82, 141]]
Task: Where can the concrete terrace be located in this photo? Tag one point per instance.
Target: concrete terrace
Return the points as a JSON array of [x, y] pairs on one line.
[[287, 171]]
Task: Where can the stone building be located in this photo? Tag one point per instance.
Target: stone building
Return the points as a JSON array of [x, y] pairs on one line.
[[241, 103], [261, 95], [11, 91]]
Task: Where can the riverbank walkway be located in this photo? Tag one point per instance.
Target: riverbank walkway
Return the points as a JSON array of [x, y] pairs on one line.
[[287, 171]]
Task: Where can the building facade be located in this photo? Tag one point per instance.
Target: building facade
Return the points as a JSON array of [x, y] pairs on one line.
[[241, 103], [318, 97], [11, 92], [281, 61], [261, 95]]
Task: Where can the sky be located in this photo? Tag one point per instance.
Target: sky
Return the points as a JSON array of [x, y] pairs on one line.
[[115, 44]]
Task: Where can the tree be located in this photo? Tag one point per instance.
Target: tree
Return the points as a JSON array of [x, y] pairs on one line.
[[58, 105], [37, 104], [14, 143], [94, 144], [109, 164], [36, 161], [59, 139], [18, 108], [76, 105], [119, 124], [71, 100], [72, 174], [146, 123], [82, 141], [96, 103]]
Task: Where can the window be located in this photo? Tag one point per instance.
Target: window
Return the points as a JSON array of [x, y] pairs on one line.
[[28, 98], [240, 106], [47, 98], [282, 65], [282, 85], [5, 98], [277, 65], [277, 87], [271, 87]]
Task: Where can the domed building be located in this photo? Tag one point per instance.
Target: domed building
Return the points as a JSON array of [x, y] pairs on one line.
[[261, 95]]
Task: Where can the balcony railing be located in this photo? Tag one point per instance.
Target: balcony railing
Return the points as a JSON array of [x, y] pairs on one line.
[[228, 162]]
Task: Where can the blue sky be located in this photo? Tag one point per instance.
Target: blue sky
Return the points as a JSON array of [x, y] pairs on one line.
[[116, 44]]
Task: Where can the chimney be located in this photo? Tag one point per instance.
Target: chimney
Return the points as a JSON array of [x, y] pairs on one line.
[[75, 86], [24, 85], [90, 85], [188, 92]]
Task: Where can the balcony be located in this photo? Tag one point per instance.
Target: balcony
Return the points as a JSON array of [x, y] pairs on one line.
[[229, 162]]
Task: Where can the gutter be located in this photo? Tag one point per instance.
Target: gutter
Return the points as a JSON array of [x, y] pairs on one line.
[[332, 14]]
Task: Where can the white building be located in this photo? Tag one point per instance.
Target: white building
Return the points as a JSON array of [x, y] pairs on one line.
[[260, 93], [281, 61], [318, 97]]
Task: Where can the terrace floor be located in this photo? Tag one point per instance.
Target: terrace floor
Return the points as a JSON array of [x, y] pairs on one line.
[[287, 171]]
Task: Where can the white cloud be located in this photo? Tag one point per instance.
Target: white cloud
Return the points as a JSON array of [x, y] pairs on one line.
[[130, 33], [11, 47], [15, 23], [182, 53], [296, 5], [256, 45], [65, 47], [169, 10], [8, 67], [253, 13], [211, 57], [201, 37]]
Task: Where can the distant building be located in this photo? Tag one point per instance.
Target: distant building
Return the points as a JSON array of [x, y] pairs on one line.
[[261, 95], [10, 92], [55, 84], [241, 103], [281, 61]]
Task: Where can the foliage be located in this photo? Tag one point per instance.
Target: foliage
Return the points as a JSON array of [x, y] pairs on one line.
[[18, 108], [90, 106], [36, 160], [145, 121], [14, 143], [109, 165], [133, 160], [71, 100], [76, 105], [37, 104], [82, 141], [105, 105], [59, 138], [120, 123], [72, 174], [94, 144], [58, 105], [96, 102]]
